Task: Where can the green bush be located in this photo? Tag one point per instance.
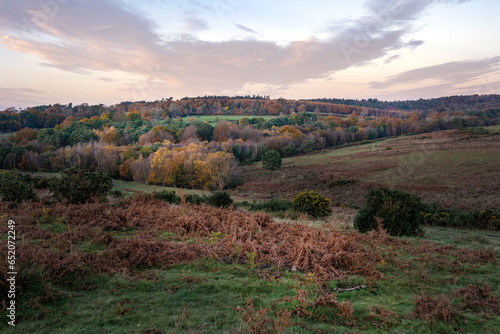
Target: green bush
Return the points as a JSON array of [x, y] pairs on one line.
[[434, 214], [78, 186], [312, 203], [342, 182], [271, 160], [400, 212], [16, 187], [196, 199], [219, 199], [41, 183], [117, 194], [278, 204], [169, 196], [273, 205]]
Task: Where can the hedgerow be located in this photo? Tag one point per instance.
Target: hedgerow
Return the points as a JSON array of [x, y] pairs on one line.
[[435, 215]]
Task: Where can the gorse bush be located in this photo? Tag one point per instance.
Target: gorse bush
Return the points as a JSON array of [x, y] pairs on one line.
[[169, 196], [78, 186], [400, 212], [312, 203], [220, 199], [16, 187], [196, 199]]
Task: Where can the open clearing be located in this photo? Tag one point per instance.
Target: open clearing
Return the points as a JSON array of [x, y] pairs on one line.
[[214, 119], [453, 168], [144, 266]]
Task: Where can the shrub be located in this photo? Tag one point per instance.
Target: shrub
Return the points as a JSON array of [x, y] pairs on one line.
[[219, 199], [169, 196], [434, 214], [273, 205], [271, 160], [196, 199], [16, 187], [400, 211], [278, 204], [342, 182], [312, 203], [41, 182], [117, 194], [79, 186]]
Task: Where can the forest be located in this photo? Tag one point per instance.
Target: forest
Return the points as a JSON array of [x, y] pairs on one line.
[[161, 142]]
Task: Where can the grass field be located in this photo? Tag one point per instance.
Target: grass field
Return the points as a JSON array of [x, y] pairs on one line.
[[146, 267], [214, 119], [495, 128], [135, 188], [455, 169]]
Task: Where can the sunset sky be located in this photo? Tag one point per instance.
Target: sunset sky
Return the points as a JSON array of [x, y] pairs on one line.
[[107, 51]]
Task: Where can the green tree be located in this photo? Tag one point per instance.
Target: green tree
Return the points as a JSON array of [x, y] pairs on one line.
[[308, 146], [205, 131], [271, 160]]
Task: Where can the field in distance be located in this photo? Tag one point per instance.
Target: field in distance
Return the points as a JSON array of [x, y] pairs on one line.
[[214, 119], [458, 169]]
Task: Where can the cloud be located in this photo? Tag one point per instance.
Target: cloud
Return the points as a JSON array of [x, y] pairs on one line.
[[448, 73], [18, 96], [101, 35], [246, 29], [192, 23]]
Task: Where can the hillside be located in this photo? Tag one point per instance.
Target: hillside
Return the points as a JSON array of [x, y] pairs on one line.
[[457, 169], [144, 266]]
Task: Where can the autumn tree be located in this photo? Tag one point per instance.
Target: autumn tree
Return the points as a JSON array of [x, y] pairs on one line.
[[25, 135]]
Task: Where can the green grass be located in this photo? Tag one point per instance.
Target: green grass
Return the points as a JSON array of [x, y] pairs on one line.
[[493, 128], [233, 118], [134, 188], [472, 239], [202, 297]]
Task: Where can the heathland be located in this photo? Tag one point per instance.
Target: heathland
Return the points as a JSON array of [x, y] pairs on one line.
[[193, 235]]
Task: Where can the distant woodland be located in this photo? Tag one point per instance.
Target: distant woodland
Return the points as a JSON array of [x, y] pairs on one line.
[[163, 142]]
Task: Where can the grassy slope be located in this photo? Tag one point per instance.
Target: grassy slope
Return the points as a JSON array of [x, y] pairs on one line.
[[203, 297], [453, 168]]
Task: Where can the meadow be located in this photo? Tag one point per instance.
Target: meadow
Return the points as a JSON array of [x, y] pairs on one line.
[[215, 119], [454, 168], [135, 264], [139, 265]]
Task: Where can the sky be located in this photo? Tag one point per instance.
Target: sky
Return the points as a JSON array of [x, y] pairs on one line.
[[108, 51]]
